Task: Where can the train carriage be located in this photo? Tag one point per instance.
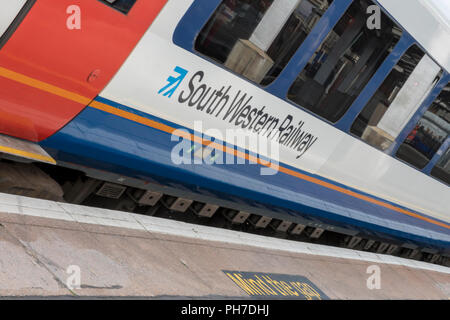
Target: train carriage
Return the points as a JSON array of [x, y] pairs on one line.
[[146, 101]]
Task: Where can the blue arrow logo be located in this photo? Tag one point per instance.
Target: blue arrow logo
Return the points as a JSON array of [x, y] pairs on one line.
[[173, 83]]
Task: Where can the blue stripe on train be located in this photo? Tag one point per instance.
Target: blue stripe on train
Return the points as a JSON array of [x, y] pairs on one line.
[[107, 142]]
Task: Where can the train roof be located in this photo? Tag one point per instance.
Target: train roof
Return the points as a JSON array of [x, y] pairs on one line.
[[428, 21]]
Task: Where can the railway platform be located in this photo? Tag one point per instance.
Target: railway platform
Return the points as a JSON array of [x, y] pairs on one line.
[[53, 249]]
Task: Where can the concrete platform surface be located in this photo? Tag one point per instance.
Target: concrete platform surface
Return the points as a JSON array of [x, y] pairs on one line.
[[55, 249]]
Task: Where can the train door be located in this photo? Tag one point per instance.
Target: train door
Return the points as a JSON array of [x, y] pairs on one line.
[[59, 55]]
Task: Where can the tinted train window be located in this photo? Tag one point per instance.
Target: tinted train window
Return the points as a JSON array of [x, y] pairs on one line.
[[122, 5], [429, 134], [344, 63], [397, 99], [257, 38], [442, 168]]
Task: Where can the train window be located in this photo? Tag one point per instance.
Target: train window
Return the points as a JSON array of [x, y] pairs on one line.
[[123, 6], [397, 99], [344, 63], [429, 134], [11, 15], [442, 169], [257, 38]]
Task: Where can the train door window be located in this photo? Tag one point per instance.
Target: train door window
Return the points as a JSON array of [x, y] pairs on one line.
[[442, 169], [123, 6], [429, 134], [344, 63], [397, 99], [257, 38]]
